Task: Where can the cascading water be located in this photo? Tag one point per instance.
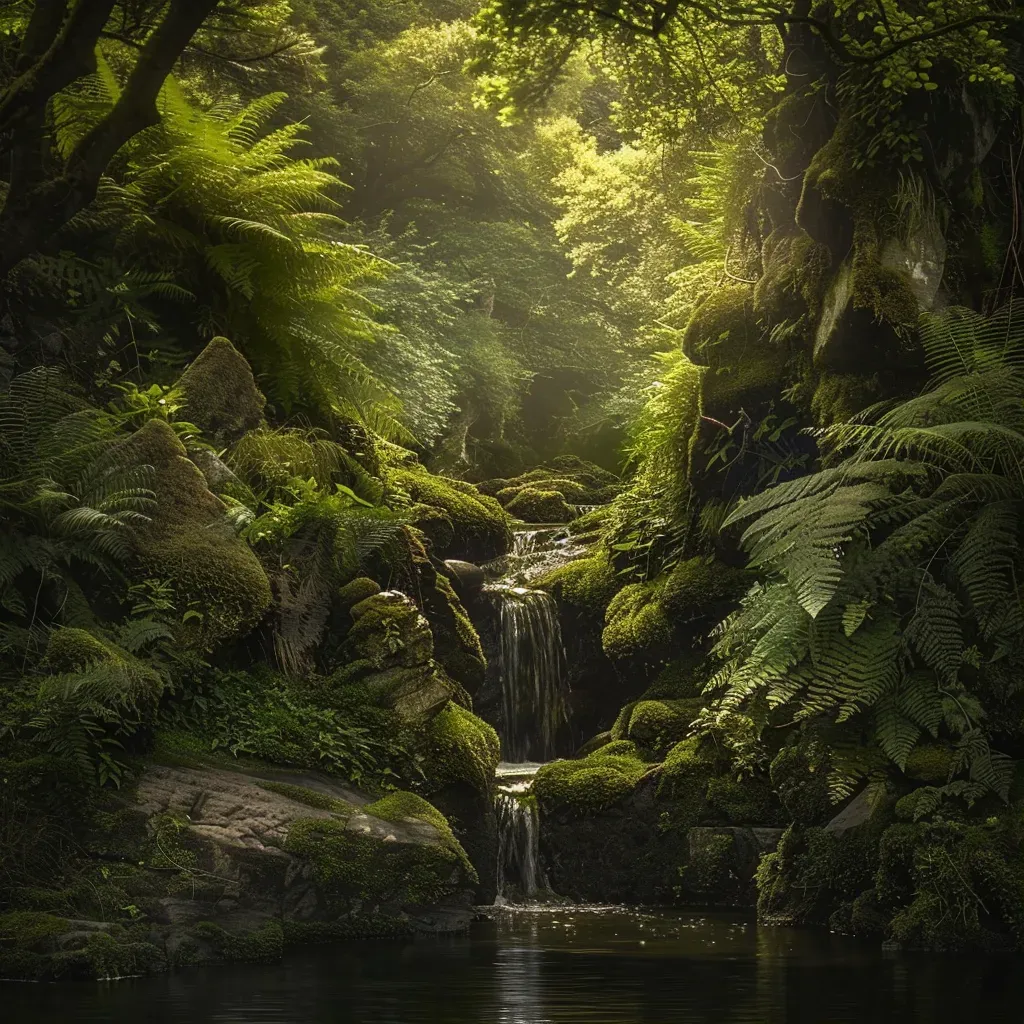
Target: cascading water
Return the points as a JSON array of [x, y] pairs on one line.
[[533, 690], [518, 833], [532, 713]]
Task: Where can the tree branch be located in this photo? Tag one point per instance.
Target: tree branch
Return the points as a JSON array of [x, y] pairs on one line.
[[70, 56], [28, 220]]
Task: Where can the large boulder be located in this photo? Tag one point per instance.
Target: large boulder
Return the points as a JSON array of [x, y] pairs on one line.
[[209, 865], [189, 541]]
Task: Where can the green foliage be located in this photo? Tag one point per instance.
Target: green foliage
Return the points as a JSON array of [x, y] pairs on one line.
[[267, 717], [889, 602]]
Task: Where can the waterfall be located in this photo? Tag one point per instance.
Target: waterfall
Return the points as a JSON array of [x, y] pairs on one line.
[[518, 833], [533, 688]]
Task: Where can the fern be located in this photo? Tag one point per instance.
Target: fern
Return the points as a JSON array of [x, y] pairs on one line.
[[891, 600]]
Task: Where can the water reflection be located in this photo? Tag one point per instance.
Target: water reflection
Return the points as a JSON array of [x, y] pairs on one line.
[[563, 966]]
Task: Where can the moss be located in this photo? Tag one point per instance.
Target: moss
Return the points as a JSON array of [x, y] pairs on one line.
[[686, 770], [746, 801], [220, 393], [709, 870], [309, 797], [263, 945], [351, 866], [460, 748], [320, 933], [799, 775], [952, 885], [681, 678], [69, 649], [882, 290], [29, 950], [586, 585], [814, 871], [602, 739], [696, 583], [657, 725], [635, 622], [402, 806], [592, 784], [931, 763], [389, 629], [355, 591], [539, 506], [31, 930], [457, 644], [478, 521], [218, 580], [840, 396], [795, 275]]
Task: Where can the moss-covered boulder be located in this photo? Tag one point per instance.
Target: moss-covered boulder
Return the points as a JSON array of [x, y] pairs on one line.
[[534, 505], [642, 618], [390, 649], [460, 754], [744, 367], [456, 642], [585, 585], [198, 865], [655, 726], [220, 393], [221, 588], [480, 529]]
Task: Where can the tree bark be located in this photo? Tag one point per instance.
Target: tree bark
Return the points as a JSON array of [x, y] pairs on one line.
[[34, 212]]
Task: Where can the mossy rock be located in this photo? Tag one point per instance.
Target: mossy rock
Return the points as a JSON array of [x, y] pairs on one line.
[[539, 506], [744, 801], [586, 585], [356, 591], [388, 629], [349, 865], [457, 644], [687, 769], [698, 584], [931, 763], [584, 787], [799, 775], [263, 945], [402, 806], [221, 396], [460, 748], [69, 649], [221, 588], [838, 397], [635, 622], [44, 947], [682, 678], [948, 886], [481, 529], [657, 725], [795, 275]]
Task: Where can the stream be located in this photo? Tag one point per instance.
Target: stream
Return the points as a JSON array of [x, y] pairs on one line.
[[562, 966], [529, 962]]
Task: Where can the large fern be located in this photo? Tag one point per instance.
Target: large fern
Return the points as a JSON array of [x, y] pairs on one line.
[[891, 599]]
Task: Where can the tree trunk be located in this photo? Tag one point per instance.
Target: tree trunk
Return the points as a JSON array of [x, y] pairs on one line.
[[34, 211]]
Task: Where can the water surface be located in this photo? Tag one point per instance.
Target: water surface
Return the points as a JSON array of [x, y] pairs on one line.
[[581, 966]]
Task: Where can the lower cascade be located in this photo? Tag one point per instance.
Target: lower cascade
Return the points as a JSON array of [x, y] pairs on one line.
[[518, 834]]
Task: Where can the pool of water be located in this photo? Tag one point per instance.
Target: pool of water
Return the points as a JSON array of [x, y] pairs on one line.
[[584, 966]]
